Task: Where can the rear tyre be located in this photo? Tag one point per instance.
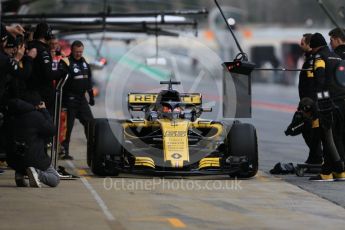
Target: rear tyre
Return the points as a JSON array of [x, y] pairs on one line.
[[105, 148], [242, 141]]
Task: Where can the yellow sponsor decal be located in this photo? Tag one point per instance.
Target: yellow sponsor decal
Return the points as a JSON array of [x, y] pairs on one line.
[[209, 162], [319, 63], [310, 74], [144, 161], [174, 133], [175, 141], [143, 98], [315, 123], [191, 98], [150, 98]]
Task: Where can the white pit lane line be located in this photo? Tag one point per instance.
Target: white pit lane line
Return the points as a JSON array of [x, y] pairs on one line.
[[95, 195]]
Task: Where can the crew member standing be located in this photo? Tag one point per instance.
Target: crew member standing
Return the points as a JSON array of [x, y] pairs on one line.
[[43, 75], [310, 133], [332, 122], [74, 100], [337, 40]]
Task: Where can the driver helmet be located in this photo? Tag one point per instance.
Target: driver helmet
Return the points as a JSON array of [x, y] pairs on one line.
[[166, 109]]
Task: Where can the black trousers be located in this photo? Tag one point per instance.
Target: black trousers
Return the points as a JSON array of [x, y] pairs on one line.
[[312, 138], [77, 107], [338, 127], [332, 160], [333, 140]]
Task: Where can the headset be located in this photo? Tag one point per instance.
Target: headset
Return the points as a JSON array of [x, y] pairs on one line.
[[49, 33]]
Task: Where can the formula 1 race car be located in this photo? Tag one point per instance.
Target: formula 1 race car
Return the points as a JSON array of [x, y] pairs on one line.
[[171, 139]]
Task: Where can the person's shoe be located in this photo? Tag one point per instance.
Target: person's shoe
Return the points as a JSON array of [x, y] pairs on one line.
[[60, 155], [339, 176], [33, 177], [67, 157], [62, 150], [322, 177], [20, 180]]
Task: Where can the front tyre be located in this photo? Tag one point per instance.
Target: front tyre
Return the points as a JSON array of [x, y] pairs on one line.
[[242, 141], [107, 148]]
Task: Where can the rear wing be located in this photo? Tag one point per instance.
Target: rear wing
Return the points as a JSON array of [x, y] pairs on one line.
[[137, 101]]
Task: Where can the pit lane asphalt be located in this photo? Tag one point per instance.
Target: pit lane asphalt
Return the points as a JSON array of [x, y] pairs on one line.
[[133, 202]]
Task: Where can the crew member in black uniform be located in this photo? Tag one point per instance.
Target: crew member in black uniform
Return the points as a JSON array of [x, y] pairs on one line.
[[331, 119], [337, 42], [337, 38], [310, 132], [74, 100], [17, 85], [43, 76], [10, 67]]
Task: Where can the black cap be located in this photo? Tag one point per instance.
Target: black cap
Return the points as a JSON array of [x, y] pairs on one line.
[[317, 40], [4, 34], [11, 42]]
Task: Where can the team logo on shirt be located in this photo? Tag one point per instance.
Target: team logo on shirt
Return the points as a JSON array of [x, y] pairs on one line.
[[76, 70], [85, 66]]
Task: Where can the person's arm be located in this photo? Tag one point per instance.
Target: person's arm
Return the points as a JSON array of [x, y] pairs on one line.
[[23, 68], [308, 88], [90, 90], [11, 65], [27, 63], [63, 66], [45, 123], [89, 77], [319, 69], [15, 30]]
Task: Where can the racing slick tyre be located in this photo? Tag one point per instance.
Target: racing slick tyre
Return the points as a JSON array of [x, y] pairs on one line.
[[105, 148], [242, 141]]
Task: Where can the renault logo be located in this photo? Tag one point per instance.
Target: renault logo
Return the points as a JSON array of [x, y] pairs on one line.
[[176, 156]]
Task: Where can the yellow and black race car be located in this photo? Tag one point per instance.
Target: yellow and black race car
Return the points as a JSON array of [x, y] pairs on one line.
[[171, 139]]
